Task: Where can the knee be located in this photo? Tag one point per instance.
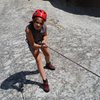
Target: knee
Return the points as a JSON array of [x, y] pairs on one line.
[[36, 53]]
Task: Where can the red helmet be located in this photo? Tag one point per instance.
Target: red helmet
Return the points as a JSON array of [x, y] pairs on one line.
[[40, 13]]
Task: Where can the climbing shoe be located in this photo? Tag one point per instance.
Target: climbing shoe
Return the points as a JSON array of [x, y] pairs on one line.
[[46, 86], [50, 66]]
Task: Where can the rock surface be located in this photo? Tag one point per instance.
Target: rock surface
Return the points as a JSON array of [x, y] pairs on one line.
[[73, 31]]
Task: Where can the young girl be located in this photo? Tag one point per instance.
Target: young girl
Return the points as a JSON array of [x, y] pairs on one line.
[[36, 36]]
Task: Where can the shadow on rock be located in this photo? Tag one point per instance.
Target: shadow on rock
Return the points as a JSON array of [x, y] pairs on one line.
[[67, 6], [17, 81]]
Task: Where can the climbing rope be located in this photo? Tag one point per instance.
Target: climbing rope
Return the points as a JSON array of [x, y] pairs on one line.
[[75, 62]]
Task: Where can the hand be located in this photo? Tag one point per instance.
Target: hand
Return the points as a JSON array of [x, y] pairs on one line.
[[44, 45]]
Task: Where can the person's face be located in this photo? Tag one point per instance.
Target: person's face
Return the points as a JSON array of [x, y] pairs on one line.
[[38, 23]]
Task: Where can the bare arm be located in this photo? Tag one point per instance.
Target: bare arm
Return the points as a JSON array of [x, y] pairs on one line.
[[45, 38], [30, 39]]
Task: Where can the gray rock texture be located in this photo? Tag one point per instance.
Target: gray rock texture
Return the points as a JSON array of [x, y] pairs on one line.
[[73, 32]]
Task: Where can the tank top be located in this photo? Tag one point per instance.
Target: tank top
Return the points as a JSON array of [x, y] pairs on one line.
[[37, 35]]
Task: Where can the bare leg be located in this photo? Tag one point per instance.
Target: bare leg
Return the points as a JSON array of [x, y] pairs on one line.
[[46, 54], [38, 59], [47, 59]]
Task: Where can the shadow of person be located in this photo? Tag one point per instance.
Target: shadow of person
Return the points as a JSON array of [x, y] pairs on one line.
[[67, 6], [17, 81]]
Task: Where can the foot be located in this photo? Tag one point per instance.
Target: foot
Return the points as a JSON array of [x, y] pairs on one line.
[[50, 66], [46, 86]]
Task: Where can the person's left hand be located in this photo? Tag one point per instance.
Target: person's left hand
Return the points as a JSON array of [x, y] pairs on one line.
[[44, 44]]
